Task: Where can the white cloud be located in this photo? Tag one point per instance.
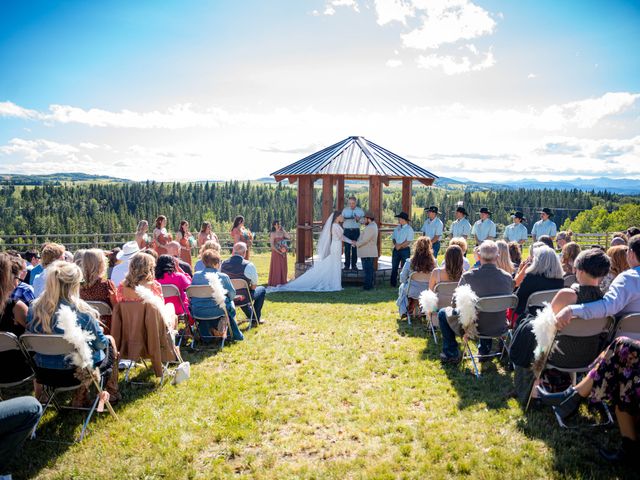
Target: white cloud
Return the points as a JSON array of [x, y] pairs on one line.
[[393, 11], [532, 75], [329, 8], [455, 65], [393, 63]]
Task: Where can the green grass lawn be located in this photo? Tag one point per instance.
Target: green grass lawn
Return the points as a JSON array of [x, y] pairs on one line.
[[333, 386]]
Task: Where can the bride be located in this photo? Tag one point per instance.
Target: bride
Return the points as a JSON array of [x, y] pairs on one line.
[[326, 274]]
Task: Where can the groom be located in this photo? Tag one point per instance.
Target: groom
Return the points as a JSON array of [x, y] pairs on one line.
[[367, 246]]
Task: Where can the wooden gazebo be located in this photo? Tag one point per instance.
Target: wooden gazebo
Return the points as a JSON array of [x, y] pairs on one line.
[[354, 158]]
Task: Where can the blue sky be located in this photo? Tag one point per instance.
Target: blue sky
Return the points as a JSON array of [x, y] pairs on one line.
[[236, 89]]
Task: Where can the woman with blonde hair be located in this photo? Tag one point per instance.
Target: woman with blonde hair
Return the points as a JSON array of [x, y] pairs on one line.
[[63, 288], [504, 258], [142, 234], [141, 272], [208, 245], [619, 263], [570, 252], [96, 287]]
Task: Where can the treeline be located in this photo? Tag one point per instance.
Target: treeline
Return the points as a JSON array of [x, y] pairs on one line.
[[117, 207], [599, 219]]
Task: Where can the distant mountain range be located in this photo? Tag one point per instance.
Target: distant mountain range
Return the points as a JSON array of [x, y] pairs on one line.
[[615, 185]]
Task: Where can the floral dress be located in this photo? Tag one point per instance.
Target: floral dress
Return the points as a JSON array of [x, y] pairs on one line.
[[616, 376]]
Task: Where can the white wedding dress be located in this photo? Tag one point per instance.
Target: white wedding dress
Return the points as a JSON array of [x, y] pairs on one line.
[[326, 274]]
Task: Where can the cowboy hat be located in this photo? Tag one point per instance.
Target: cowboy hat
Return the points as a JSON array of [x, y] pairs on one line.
[[485, 210], [547, 211], [129, 249], [519, 215], [404, 216], [463, 211], [433, 209]]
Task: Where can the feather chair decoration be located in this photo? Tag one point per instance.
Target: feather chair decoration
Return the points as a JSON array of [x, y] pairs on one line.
[[544, 329], [466, 300], [68, 321], [218, 291], [428, 302], [167, 311]]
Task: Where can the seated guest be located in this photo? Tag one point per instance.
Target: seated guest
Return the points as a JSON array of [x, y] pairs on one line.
[[63, 288], [207, 307], [208, 245], [632, 232], [152, 252], [23, 291], [95, 286], [622, 298], [451, 269], [462, 243], [563, 238], [544, 273], [167, 274], [618, 238], [619, 263], [569, 253], [33, 260], [419, 269], [515, 254], [18, 417], [141, 272], [13, 313], [522, 269], [238, 267], [77, 257], [504, 259], [173, 249], [487, 280], [124, 256], [50, 253], [112, 257], [614, 378], [547, 240]]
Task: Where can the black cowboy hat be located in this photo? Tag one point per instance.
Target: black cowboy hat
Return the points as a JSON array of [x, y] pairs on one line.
[[433, 209], [463, 211], [485, 210], [519, 215], [404, 216], [547, 211]]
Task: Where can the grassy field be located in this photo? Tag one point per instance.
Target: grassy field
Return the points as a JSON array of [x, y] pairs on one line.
[[333, 386]]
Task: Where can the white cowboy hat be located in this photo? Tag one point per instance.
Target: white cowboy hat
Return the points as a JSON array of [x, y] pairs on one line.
[[129, 249]]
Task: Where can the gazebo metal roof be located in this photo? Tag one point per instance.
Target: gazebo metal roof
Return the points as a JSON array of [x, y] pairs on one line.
[[355, 158]]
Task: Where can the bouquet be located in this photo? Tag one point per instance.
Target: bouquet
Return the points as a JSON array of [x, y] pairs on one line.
[[283, 246]]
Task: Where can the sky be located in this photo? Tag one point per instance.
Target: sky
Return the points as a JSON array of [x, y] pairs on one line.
[[235, 89]]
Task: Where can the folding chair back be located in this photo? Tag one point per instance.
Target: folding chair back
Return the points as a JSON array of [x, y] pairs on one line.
[[417, 284], [205, 291], [103, 308], [538, 299], [492, 314], [14, 364], [171, 291], [243, 297], [629, 326], [570, 280], [445, 291], [579, 344], [46, 344]]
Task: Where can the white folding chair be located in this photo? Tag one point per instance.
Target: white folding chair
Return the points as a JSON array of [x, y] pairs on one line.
[[104, 309], [490, 327], [244, 299], [15, 367], [577, 346], [205, 291], [172, 292], [445, 291], [538, 299], [55, 382], [629, 326], [410, 281], [570, 280]]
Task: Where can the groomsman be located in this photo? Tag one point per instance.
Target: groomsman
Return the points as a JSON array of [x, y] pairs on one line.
[[544, 226], [461, 226], [484, 229], [353, 217], [433, 228], [402, 237], [516, 232], [368, 247]]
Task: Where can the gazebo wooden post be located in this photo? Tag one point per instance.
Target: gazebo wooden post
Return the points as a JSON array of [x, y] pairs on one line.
[[304, 239], [327, 196], [375, 205], [340, 193], [407, 201]]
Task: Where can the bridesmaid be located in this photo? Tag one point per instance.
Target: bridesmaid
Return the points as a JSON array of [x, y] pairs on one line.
[[160, 235], [206, 234], [185, 238], [142, 235], [240, 233], [279, 249]]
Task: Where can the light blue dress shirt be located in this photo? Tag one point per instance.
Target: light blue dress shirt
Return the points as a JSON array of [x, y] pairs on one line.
[[461, 228], [515, 232], [431, 228], [350, 217], [622, 298], [544, 227], [484, 229], [402, 233]]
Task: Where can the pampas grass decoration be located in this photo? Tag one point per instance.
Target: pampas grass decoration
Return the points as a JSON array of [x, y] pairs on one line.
[[544, 329], [167, 311], [219, 292], [81, 358], [466, 300], [428, 302]]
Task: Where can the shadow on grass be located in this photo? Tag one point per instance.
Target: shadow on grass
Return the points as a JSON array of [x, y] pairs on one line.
[[575, 451], [349, 295]]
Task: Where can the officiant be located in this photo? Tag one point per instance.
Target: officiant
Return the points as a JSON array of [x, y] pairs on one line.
[[353, 218], [368, 247]]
